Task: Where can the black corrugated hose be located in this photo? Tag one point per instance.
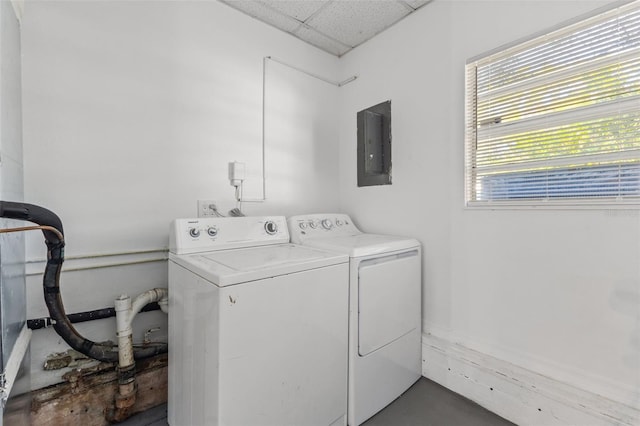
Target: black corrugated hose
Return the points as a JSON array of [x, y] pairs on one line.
[[51, 287]]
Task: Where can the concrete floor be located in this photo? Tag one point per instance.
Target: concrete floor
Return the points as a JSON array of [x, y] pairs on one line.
[[425, 404]]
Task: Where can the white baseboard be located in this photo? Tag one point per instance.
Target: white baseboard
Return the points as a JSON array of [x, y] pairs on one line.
[[515, 393]]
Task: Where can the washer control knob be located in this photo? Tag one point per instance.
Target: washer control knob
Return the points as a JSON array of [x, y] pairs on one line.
[[270, 227], [302, 225], [212, 231], [194, 232], [313, 224], [327, 224], [339, 222]]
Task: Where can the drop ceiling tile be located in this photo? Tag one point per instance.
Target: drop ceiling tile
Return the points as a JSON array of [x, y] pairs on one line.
[[353, 22], [321, 41], [300, 10], [261, 11], [416, 4]]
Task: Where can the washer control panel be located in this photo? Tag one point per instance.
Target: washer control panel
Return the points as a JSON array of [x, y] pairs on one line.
[[320, 225], [218, 233]]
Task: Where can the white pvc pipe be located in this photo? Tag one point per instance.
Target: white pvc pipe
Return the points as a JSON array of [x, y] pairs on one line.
[[126, 312], [149, 296], [124, 331], [164, 303], [104, 260]]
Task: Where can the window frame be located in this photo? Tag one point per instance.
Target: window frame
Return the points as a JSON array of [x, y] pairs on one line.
[[570, 202]]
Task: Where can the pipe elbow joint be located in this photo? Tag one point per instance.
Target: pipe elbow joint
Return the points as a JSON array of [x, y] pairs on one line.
[[164, 304]]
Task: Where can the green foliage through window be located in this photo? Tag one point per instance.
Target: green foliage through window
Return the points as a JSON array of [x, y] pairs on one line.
[[558, 117]]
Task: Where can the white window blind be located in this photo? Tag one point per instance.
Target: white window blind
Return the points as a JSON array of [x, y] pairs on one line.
[[557, 118]]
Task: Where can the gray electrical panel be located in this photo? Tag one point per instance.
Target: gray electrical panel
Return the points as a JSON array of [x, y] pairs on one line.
[[374, 145]]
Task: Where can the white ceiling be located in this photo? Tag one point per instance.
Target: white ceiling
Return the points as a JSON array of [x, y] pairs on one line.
[[335, 26]]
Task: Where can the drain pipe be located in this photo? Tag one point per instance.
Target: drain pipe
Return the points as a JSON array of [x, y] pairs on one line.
[[51, 227], [125, 313]]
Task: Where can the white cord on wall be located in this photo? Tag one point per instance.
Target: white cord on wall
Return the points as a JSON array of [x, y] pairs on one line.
[[326, 80], [264, 174], [264, 89]]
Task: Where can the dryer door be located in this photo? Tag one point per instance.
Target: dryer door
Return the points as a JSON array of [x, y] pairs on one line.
[[389, 299]]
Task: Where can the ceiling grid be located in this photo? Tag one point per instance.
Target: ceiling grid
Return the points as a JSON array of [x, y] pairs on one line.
[[335, 26]]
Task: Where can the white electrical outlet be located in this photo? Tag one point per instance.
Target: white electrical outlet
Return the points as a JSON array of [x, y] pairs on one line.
[[206, 208]]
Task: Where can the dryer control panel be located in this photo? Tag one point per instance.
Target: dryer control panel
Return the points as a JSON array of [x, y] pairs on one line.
[[217, 233], [321, 225]]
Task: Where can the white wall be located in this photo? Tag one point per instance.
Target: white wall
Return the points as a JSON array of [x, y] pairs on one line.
[[132, 111], [553, 291]]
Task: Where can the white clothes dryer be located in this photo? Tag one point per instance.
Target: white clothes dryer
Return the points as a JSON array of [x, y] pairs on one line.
[[384, 308], [257, 326]]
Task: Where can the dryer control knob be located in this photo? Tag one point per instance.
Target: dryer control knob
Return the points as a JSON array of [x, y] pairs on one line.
[[194, 232], [302, 225], [313, 224], [212, 231], [270, 227], [327, 224]]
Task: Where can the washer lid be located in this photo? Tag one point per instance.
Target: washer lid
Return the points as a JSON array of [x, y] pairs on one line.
[[228, 267], [363, 244]]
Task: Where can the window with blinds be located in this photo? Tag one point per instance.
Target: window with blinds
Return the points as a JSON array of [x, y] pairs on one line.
[[556, 119]]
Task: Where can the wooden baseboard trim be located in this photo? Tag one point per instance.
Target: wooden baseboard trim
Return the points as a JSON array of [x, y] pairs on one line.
[[516, 393]]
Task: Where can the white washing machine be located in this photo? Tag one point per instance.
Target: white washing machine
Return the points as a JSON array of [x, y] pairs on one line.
[[384, 308], [257, 326]]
